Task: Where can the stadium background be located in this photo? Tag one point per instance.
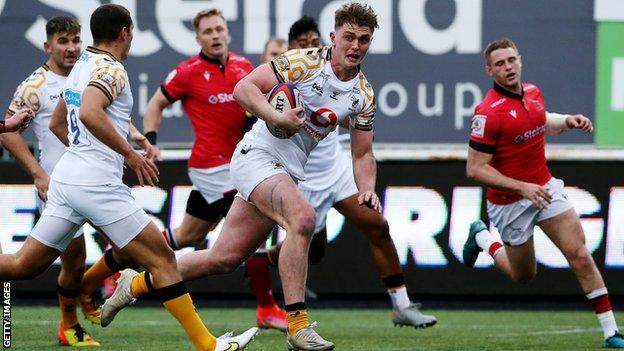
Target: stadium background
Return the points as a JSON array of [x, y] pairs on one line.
[[427, 70]]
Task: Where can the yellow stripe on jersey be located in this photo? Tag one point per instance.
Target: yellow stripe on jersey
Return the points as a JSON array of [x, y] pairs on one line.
[[110, 77], [298, 65], [27, 93]]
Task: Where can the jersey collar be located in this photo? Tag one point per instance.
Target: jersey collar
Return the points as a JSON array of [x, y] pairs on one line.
[[214, 60], [508, 93], [100, 51]]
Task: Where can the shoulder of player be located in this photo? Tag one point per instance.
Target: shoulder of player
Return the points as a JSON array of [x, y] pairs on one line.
[[531, 89], [311, 57], [36, 79]]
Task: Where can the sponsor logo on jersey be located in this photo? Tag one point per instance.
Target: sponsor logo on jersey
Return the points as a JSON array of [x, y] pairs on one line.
[[53, 98], [334, 95], [220, 98], [318, 89], [478, 126], [323, 117], [530, 134], [497, 102]]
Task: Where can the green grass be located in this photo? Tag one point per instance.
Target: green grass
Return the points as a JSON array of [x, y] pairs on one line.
[[151, 328]]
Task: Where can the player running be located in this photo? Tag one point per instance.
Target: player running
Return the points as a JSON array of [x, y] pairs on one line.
[[506, 153]]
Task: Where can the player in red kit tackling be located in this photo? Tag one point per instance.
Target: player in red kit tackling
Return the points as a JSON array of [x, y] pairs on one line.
[[507, 154]]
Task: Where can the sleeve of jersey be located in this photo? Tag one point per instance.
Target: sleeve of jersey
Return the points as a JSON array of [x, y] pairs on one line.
[[111, 79], [294, 66], [175, 85], [364, 120], [484, 129], [26, 96]]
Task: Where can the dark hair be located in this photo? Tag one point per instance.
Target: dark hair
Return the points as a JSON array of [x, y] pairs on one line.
[[303, 25], [358, 14], [502, 43], [61, 24], [107, 21], [206, 13]]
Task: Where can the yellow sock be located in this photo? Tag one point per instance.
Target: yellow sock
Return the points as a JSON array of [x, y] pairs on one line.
[[68, 310], [297, 320], [139, 285], [94, 276], [184, 311]]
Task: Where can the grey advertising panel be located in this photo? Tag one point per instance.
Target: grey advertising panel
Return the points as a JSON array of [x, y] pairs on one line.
[[425, 62]]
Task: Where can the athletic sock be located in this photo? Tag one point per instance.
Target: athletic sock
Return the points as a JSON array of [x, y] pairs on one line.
[[169, 235], [67, 302], [178, 302], [141, 284], [601, 304], [488, 242], [297, 317], [102, 269], [395, 285], [257, 270]]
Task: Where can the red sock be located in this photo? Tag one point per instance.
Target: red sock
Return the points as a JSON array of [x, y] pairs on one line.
[[257, 270], [494, 247]]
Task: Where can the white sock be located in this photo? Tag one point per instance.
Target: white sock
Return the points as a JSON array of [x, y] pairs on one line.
[[485, 239], [399, 298], [608, 324]]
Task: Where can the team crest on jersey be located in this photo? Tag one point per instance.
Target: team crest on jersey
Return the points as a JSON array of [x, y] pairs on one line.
[[478, 126], [281, 64], [206, 75]]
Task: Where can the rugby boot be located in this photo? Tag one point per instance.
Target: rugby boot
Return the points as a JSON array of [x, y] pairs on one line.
[[272, 317], [90, 308], [121, 298], [229, 342], [307, 339], [75, 336], [412, 317], [615, 341], [471, 249]]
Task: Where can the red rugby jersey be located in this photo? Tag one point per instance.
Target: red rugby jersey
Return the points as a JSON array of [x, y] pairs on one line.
[[511, 127], [205, 87]]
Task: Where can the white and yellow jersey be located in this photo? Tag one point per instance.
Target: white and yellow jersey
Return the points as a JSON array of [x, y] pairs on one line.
[[40, 93], [88, 161], [327, 102]]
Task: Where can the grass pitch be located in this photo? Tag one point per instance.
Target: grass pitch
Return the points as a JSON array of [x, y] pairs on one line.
[[152, 328]]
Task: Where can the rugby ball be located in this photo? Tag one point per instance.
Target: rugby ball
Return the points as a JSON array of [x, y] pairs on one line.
[[283, 97]]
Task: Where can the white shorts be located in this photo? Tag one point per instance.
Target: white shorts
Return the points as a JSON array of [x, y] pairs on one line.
[[109, 207], [515, 221], [250, 166], [41, 206], [323, 200], [212, 183]]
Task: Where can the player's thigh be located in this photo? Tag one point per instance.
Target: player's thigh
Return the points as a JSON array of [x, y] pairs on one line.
[[322, 201], [147, 247], [245, 228], [50, 236], [278, 198], [565, 231], [367, 220]]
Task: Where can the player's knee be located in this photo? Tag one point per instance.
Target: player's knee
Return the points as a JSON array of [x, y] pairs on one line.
[[379, 230], [580, 258], [304, 221]]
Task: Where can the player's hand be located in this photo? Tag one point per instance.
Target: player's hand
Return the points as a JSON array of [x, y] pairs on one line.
[[291, 121], [370, 200], [150, 151], [537, 194], [19, 121], [41, 184], [579, 122], [145, 169]]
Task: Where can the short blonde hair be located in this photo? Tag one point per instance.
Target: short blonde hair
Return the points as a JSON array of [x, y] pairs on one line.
[[206, 13], [502, 43]]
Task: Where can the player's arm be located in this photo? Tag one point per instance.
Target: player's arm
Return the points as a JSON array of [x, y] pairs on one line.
[[364, 167], [558, 123], [58, 122], [150, 151], [17, 123], [153, 117], [249, 92], [93, 115], [17, 146], [479, 169]]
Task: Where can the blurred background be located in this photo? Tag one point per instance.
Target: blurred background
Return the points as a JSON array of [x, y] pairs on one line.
[[427, 70]]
